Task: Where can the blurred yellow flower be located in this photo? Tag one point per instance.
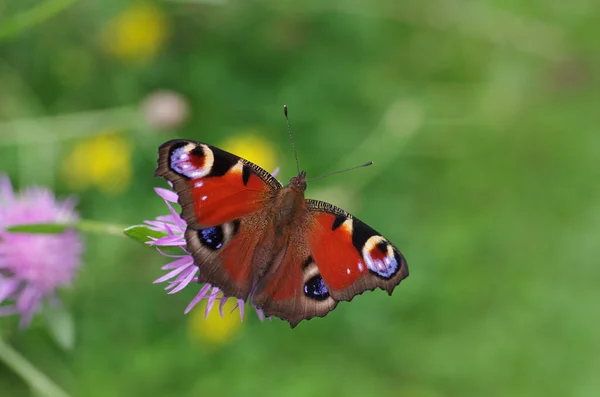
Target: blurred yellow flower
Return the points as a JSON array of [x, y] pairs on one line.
[[103, 161], [137, 34], [252, 148], [214, 329]]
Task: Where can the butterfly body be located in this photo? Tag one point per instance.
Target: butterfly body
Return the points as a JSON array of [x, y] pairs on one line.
[[289, 206], [292, 257]]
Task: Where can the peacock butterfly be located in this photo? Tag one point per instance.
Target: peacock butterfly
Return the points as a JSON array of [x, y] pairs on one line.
[[257, 240]]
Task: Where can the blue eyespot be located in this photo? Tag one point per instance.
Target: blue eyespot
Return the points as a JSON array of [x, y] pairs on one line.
[[386, 267], [181, 161], [315, 288], [211, 237]]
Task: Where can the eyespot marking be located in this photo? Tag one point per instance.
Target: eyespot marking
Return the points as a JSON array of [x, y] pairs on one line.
[[316, 289], [379, 257], [191, 161], [382, 245], [212, 237]]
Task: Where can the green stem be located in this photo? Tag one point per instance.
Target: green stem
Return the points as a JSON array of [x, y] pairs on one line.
[[84, 225], [32, 17], [89, 226], [29, 373]]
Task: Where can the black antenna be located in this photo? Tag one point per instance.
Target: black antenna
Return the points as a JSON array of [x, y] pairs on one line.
[[291, 138], [340, 171]]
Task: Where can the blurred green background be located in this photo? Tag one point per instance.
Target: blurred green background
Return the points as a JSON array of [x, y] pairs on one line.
[[482, 119]]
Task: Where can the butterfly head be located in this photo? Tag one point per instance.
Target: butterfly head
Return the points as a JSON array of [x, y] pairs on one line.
[[299, 182]]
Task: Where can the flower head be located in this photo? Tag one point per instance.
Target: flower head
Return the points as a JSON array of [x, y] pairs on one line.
[[33, 266], [182, 271]]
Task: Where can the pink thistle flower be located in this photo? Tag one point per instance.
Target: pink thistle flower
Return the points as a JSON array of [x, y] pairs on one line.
[[182, 271], [33, 266]]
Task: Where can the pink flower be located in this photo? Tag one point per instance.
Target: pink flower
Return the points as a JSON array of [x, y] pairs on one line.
[[165, 109], [182, 271], [33, 266]]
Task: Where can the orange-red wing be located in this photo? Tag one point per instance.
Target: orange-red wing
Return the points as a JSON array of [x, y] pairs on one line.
[[340, 263], [350, 255], [291, 289], [224, 254], [215, 200]]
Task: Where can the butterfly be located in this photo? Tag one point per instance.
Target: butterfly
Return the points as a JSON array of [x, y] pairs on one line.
[[293, 258]]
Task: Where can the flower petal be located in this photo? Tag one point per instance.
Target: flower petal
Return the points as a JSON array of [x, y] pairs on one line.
[[184, 260], [260, 314], [186, 280], [169, 241], [156, 225], [7, 195], [241, 305], [199, 296], [211, 300], [7, 287], [166, 194], [170, 275], [169, 255], [223, 302], [178, 220]]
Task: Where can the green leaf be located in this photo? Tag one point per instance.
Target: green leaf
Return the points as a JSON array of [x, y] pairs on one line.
[[41, 228], [142, 232], [61, 325]]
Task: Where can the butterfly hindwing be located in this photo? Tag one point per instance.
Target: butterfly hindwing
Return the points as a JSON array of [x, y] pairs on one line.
[[222, 197], [293, 289], [224, 254], [351, 256]]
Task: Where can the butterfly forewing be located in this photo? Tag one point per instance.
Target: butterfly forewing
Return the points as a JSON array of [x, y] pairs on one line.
[[351, 256], [214, 186], [223, 198]]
